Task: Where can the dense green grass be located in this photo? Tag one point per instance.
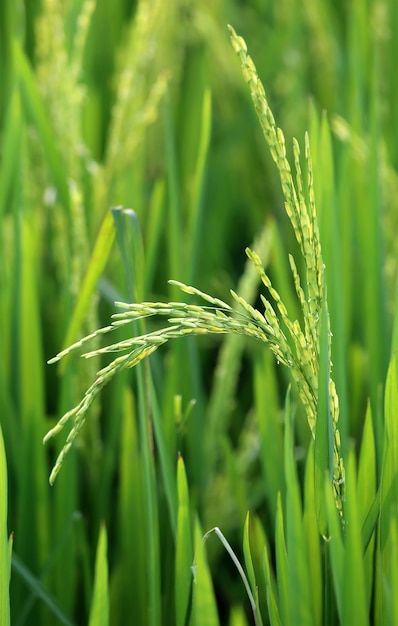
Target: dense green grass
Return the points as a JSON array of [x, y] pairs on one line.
[[145, 106]]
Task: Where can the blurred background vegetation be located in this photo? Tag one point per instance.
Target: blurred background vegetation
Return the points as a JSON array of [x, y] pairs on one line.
[[142, 105]]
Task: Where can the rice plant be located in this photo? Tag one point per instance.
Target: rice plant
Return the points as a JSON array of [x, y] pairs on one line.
[[299, 351]]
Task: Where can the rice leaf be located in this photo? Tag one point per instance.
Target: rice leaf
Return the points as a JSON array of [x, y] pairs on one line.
[[323, 445], [299, 593], [282, 567], [271, 591], [95, 268], [5, 555], [336, 549], [184, 550], [355, 605], [99, 613], [250, 570], [367, 476], [316, 565], [204, 607], [388, 495]]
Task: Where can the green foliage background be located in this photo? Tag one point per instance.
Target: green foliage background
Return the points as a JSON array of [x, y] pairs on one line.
[[143, 105]]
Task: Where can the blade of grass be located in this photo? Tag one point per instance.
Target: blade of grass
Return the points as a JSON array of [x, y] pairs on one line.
[[197, 188], [99, 614], [354, 603], [64, 505], [204, 607], [130, 244], [389, 482], [166, 450], [272, 597], [235, 560], [388, 495], [264, 586], [95, 268], [323, 447], [335, 548], [270, 429], [282, 569], [32, 494], [393, 617], [5, 556], [181, 379], [132, 565], [184, 550], [320, 591], [328, 217], [250, 571], [299, 592], [367, 476], [175, 224]]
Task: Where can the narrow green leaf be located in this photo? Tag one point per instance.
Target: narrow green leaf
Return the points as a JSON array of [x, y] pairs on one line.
[[196, 196], [65, 501], [250, 569], [176, 265], [323, 449], [270, 429], [394, 341], [367, 474], [310, 524], [388, 494], [282, 570], [130, 244], [299, 593], [131, 248], [355, 601], [367, 466], [240, 569], [369, 524], [335, 546], [393, 596], [389, 480], [271, 590], [166, 454], [5, 555], [247, 553], [95, 268], [333, 252], [99, 614], [204, 608], [184, 551], [131, 525]]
